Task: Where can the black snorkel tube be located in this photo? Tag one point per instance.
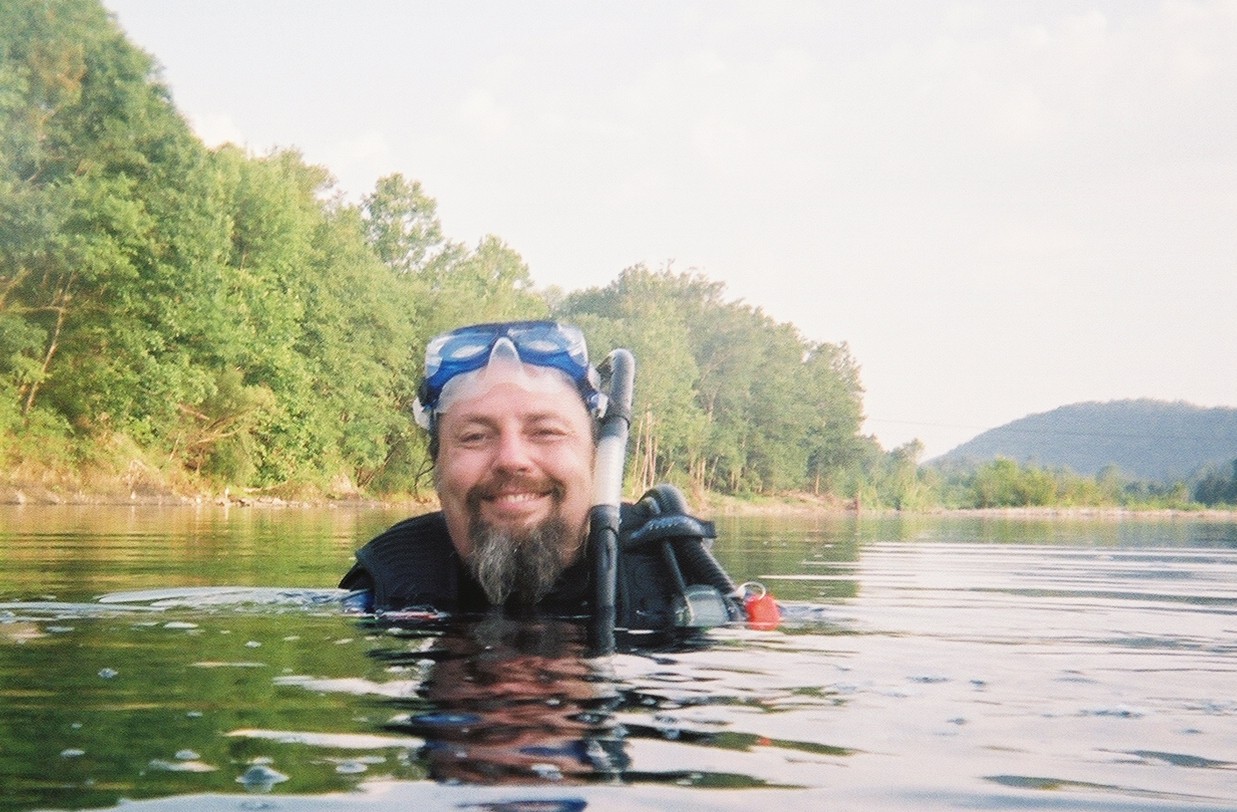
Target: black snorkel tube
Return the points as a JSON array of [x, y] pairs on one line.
[[618, 375]]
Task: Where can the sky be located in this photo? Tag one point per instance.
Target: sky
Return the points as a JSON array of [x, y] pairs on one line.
[[1000, 207]]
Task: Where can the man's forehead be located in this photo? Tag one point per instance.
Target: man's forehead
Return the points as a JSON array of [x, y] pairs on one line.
[[509, 401], [509, 381]]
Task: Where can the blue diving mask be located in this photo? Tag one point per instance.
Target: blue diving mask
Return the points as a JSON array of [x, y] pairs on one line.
[[545, 344]]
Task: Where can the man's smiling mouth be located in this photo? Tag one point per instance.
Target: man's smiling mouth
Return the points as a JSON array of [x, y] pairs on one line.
[[512, 498], [523, 496]]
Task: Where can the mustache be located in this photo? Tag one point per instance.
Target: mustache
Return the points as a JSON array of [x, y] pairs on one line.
[[497, 485]]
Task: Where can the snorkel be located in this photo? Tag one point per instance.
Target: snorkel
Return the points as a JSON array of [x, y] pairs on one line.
[[618, 372]]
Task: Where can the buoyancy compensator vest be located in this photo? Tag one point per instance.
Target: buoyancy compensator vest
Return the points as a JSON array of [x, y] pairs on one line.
[[667, 575]]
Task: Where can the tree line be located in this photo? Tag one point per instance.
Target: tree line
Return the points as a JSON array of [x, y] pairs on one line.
[[231, 318], [177, 315]]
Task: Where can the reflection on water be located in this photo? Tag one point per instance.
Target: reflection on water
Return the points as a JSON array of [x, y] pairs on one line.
[[509, 701], [926, 662]]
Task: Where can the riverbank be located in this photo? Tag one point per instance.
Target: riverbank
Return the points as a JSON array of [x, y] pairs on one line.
[[1110, 513], [808, 504], [707, 505], [115, 492]]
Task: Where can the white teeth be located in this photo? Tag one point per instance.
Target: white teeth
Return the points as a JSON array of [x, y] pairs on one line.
[[517, 497]]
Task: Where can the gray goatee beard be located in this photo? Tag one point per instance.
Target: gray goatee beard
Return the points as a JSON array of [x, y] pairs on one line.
[[521, 564]]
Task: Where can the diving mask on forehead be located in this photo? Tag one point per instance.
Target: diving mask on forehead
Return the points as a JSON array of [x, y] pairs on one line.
[[536, 355]]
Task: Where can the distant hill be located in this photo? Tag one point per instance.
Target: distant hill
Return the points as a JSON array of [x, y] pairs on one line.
[[1147, 439]]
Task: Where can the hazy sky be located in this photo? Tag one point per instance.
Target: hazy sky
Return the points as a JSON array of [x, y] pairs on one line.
[[1002, 207]]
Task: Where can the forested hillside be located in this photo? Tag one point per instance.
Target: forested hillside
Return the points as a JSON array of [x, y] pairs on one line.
[[210, 318], [1147, 439]]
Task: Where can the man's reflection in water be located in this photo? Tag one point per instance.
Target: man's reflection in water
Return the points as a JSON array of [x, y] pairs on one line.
[[516, 701]]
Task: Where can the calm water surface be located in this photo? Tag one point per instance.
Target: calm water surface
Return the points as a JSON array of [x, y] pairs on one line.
[[185, 659]]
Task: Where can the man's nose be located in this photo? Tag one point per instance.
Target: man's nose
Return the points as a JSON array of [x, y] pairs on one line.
[[513, 452]]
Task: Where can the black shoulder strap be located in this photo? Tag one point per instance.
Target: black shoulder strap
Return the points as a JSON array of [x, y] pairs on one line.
[[410, 564], [670, 526]]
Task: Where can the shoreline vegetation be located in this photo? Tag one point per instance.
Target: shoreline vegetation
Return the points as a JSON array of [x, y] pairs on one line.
[[74, 493], [178, 313]]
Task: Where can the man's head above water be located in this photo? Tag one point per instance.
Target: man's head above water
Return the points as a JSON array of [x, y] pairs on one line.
[[510, 412]]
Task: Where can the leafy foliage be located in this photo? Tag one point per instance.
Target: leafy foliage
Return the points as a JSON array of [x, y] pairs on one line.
[[1006, 483], [729, 400], [232, 315], [1215, 488]]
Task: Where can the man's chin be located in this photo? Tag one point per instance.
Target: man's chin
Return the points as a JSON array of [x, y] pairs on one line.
[[525, 563]]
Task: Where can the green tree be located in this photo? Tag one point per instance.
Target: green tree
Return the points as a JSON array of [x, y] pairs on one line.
[[448, 284], [318, 320], [107, 206], [438, 285], [832, 385], [402, 226], [233, 315], [1214, 488], [668, 428], [767, 411], [1004, 483]]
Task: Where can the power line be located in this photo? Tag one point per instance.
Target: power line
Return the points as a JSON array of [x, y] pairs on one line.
[[1063, 432]]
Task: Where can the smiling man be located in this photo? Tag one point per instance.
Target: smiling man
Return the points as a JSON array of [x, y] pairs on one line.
[[512, 411], [513, 473]]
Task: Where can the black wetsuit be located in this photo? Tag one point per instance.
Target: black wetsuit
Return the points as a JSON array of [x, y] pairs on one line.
[[413, 565]]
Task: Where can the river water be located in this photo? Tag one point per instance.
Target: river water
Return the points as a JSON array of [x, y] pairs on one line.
[[197, 659]]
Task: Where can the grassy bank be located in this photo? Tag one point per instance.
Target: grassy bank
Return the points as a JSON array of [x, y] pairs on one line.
[[126, 477], [142, 482]]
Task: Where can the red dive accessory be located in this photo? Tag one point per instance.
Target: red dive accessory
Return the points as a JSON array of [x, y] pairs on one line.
[[761, 608]]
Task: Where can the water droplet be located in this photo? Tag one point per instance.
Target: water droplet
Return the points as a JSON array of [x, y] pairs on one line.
[[72, 752], [260, 778], [108, 673], [194, 766]]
